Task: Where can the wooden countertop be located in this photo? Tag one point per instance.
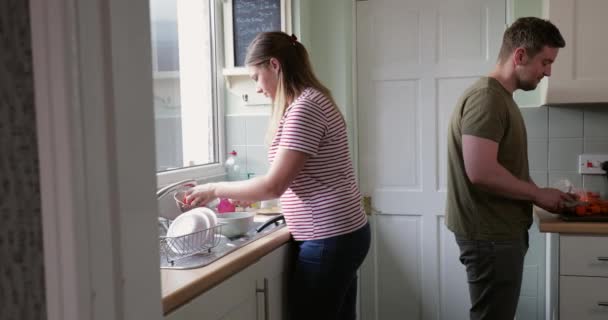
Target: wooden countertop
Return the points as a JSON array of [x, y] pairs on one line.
[[549, 222], [181, 286]]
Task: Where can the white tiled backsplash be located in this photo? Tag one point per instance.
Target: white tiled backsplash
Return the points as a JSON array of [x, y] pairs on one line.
[[245, 134], [558, 135]]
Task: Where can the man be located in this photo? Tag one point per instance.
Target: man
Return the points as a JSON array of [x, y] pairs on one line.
[[490, 192]]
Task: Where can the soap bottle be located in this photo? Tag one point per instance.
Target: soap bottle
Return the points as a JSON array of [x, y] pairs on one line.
[[233, 166]]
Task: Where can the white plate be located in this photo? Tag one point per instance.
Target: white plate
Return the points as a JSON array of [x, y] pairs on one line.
[[186, 224], [208, 213], [211, 217]]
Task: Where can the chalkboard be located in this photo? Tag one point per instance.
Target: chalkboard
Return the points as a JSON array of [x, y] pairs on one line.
[[250, 17]]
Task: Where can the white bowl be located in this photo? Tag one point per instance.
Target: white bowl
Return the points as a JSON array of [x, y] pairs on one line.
[[235, 223], [185, 232]]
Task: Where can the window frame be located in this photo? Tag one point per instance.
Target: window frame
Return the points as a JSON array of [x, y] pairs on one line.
[[215, 169]]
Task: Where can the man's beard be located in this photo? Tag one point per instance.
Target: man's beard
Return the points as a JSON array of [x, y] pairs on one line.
[[527, 85]]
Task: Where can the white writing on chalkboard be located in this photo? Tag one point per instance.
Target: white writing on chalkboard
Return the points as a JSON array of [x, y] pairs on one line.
[[251, 17]]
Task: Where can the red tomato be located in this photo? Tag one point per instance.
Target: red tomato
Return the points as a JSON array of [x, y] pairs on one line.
[[580, 210]]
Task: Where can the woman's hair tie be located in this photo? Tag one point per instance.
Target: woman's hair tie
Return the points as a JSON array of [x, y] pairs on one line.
[[294, 39]]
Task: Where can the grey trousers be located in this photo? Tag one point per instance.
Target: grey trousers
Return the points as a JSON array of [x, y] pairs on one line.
[[494, 273]]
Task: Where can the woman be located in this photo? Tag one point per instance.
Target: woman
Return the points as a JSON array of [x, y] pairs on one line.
[[311, 171]]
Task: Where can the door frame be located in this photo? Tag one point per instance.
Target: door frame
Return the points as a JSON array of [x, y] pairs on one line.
[[92, 83]]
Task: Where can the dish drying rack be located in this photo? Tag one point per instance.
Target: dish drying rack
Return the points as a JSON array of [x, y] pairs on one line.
[[200, 242]]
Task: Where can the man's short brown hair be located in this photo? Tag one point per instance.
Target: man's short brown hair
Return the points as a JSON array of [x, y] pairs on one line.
[[532, 34]]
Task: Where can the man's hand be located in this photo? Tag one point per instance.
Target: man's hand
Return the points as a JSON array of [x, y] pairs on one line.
[[551, 199]]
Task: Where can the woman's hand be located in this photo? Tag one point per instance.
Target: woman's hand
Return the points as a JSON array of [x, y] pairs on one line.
[[286, 166], [200, 195]]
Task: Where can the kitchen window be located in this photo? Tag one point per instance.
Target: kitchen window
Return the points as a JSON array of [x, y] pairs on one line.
[[186, 98]]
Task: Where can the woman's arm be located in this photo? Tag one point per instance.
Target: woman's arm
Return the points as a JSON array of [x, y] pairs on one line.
[[284, 169]]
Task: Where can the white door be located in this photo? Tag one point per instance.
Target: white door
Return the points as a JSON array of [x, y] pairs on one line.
[[414, 59]]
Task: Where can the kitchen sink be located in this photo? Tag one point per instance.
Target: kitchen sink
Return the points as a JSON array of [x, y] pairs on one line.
[[225, 246]]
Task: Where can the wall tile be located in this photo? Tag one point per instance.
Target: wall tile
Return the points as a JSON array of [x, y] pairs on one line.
[[537, 154], [565, 122], [536, 120], [236, 131], [539, 177], [256, 130], [246, 134], [563, 154], [596, 121], [595, 145], [257, 160]]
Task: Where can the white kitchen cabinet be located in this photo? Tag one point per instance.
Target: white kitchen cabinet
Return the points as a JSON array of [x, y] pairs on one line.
[[255, 293], [583, 281], [578, 75], [583, 298], [272, 284], [584, 256]]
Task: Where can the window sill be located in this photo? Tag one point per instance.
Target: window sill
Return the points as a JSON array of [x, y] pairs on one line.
[[201, 173]]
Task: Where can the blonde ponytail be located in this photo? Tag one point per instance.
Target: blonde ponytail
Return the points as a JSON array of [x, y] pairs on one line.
[[295, 74]]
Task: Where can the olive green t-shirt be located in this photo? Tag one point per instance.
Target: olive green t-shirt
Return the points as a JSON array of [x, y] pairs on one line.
[[487, 110]]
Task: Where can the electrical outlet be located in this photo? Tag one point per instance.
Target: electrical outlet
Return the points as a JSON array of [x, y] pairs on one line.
[[591, 163]]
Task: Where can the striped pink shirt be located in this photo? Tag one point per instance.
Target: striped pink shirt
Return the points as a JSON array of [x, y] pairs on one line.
[[324, 199]]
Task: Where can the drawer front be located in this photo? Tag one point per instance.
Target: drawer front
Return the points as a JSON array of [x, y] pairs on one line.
[[583, 298], [583, 256]]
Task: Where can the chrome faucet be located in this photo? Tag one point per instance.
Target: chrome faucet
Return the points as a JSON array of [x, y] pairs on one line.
[[166, 189]]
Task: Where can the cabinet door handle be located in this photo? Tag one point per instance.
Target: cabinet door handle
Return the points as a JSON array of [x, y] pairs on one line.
[[266, 299], [603, 303], [602, 258]]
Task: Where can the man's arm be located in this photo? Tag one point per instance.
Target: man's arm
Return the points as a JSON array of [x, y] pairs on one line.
[[482, 168]]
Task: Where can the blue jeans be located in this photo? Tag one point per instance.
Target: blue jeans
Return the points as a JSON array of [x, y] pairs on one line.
[[494, 273], [324, 283]]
